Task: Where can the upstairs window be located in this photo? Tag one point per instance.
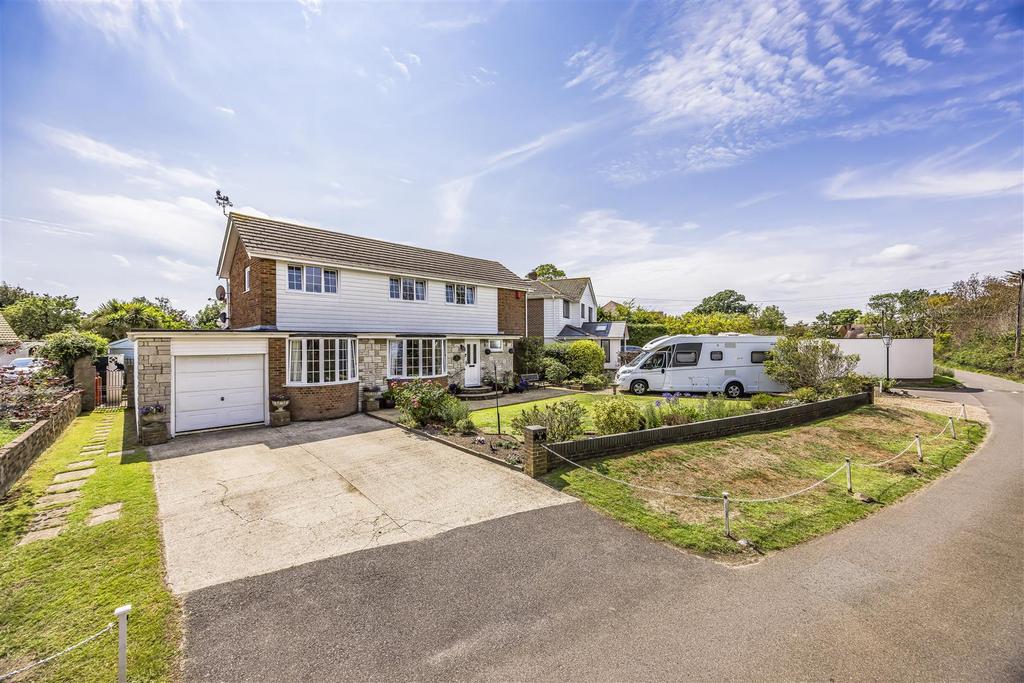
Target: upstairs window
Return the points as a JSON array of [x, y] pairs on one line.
[[407, 289], [312, 279], [590, 314], [460, 294], [565, 308], [583, 311]]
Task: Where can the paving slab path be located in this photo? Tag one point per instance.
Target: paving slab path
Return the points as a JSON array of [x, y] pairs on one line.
[[925, 589]]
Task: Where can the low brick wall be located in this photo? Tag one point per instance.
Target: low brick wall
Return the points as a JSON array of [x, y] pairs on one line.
[[16, 456], [601, 446]]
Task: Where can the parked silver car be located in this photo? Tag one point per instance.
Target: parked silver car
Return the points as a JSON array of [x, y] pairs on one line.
[[22, 366]]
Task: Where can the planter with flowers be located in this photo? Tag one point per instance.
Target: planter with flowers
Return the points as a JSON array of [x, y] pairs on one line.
[[152, 413], [280, 416], [154, 424]]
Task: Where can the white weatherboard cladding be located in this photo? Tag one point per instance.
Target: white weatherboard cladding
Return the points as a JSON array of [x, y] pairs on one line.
[[553, 308], [908, 358], [362, 304], [218, 391]]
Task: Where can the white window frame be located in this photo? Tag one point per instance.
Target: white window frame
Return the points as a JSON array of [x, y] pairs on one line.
[[402, 345], [352, 364], [566, 311], [401, 288], [304, 281], [495, 345], [246, 274], [468, 294]]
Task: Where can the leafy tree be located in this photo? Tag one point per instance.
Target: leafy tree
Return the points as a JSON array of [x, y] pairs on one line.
[[827, 324], [816, 363], [709, 323], [584, 357], [114, 318], [901, 314], [10, 294], [174, 318], [769, 320], [548, 271], [68, 346], [726, 301], [207, 316], [37, 315]]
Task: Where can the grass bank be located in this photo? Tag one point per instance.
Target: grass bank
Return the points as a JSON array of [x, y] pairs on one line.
[[486, 420], [54, 592], [8, 433], [768, 464]]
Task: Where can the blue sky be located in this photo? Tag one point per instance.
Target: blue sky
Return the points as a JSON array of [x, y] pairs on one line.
[[805, 154]]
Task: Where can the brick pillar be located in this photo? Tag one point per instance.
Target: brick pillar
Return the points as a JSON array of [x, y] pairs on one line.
[[85, 379], [535, 460]]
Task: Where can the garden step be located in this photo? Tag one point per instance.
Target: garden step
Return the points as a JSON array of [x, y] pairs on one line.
[[478, 396], [477, 390]]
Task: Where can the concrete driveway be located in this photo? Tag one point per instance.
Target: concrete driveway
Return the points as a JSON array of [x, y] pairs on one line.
[[240, 503]]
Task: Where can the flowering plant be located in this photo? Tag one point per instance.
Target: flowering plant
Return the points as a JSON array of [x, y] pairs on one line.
[[155, 409]]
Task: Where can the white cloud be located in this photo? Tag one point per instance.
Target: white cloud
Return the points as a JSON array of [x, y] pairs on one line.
[[146, 170], [400, 66], [942, 37], [225, 110], [601, 235], [310, 9], [121, 260], [593, 65], [895, 54], [757, 199], [177, 270], [894, 254], [457, 24], [124, 21]]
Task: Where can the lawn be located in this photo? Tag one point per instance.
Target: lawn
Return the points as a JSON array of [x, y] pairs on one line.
[[937, 382], [56, 592], [768, 464], [487, 421], [8, 433]]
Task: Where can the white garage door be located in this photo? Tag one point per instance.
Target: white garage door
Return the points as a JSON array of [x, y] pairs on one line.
[[218, 391]]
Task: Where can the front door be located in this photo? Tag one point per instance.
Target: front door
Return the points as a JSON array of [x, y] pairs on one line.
[[472, 364]]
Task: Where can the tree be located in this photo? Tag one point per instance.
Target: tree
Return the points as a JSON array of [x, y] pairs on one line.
[[901, 314], [584, 357], [548, 271], [114, 318], [207, 317], [37, 315], [726, 301], [174, 318], [10, 294], [827, 324], [770, 320], [68, 346], [709, 323], [816, 363]]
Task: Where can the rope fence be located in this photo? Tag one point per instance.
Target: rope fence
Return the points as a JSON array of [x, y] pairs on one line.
[[122, 645], [847, 466]]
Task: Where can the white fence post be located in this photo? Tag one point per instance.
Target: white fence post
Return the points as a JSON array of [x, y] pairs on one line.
[[952, 428], [122, 642], [725, 506], [849, 477], [920, 453], [963, 411]]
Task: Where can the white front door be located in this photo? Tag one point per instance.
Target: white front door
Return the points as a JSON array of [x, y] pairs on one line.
[[218, 391], [472, 364]]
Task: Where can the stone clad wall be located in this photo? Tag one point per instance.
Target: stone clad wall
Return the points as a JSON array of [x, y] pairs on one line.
[[19, 454], [154, 360]]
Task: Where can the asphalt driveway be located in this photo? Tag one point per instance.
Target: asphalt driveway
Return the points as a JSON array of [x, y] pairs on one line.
[[240, 503], [927, 589]]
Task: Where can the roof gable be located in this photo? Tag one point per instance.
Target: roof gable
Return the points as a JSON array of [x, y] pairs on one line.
[[263, 237], [7, 335], [571, 288]]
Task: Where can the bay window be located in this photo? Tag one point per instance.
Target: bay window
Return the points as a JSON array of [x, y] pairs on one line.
[[417, 358], [321, 360]]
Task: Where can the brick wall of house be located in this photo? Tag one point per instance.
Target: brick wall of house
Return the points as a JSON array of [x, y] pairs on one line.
[[511, 311], [314, 402], [258, 306], [535, 311]]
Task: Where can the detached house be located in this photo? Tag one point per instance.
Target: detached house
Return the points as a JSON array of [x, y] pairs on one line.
[[320, 316], [565, 309]]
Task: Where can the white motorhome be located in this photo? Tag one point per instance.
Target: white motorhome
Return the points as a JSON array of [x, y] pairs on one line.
[[730, 363]]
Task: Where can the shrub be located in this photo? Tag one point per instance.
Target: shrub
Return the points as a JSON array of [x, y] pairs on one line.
[[641, 333], [592, 381], [671, 411], [424, 402], [555, 371], [615, 414], [465, 426], [584, 357], [715, 407], [68, 346], [942, 371], [563, 419], [33, 396], [766, 402], [651, 416], [528, 355], [557, 350], [815, 363], [806, 394]]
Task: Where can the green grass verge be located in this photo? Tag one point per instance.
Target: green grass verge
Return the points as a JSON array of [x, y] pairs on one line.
[[486, 420], [768, 464], [57, 591], [8, 433], [937, 382], [983, 371]]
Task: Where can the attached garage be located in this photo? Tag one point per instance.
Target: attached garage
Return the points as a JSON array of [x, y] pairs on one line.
[[219, 391]]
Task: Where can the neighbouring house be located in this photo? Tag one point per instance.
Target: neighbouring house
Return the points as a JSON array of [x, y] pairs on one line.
[[125, 348], [610, 308], [321, 317], [564, 309], [12, 347]]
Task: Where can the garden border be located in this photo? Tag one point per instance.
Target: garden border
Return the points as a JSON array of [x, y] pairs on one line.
[[19, 454], [446, 442], [613, 444]]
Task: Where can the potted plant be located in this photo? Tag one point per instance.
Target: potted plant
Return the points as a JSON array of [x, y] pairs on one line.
[[280, 402], [153, 413], [387, 398]]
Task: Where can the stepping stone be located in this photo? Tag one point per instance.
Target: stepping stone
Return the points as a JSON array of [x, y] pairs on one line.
[[49, 518], [65, 486], [40, 535], [77, 474], [82, 464], [118, 454], [106, 513], [57, 498], [92, 450]]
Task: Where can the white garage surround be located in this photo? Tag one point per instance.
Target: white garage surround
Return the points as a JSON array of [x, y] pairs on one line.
[[218, 383]]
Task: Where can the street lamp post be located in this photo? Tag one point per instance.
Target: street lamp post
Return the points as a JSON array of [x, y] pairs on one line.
[[887, 340]]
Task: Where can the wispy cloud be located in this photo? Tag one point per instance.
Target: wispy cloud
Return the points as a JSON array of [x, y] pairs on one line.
[[310, 9], [893, 255], [592, 65], [96, 151], [120, 21], [895, 54], [602, 234], [121, 260], [758, 198], [455, 24], [225, 110]]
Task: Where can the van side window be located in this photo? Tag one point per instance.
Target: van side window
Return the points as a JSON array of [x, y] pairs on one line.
[[685, 358], [758, 356], [716, 355]]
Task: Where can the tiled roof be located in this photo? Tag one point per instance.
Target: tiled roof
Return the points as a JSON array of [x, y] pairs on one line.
[[571, 288], [289, 240], [604, 330], [7, 336]]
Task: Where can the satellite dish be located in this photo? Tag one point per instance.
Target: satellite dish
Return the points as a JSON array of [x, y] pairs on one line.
[[222, 293]]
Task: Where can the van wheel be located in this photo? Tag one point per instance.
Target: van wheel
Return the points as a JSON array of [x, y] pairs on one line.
[[639, 387], [733, 390]]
